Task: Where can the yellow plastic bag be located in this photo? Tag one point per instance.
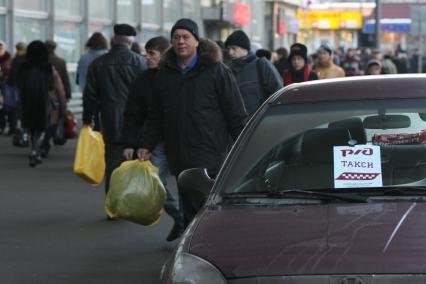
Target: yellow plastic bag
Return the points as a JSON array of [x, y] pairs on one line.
[[89, 163], [136, 193]]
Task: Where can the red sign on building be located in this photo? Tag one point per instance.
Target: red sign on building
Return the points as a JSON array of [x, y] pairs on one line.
[[242, 14], [281, 27]]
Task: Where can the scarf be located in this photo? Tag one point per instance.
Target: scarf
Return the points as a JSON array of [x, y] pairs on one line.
[[292, 76]]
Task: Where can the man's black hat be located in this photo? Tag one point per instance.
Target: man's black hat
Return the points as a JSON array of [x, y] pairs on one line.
[[186, 24], [51, 45], [124, 30], [238, 38]]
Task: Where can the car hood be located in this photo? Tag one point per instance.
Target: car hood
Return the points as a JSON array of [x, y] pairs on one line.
[[320, 239]]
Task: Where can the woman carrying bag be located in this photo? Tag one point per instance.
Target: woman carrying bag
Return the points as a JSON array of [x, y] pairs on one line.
[[43, 99]]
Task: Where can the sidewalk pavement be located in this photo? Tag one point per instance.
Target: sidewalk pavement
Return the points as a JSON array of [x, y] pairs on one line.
[[53, 227]]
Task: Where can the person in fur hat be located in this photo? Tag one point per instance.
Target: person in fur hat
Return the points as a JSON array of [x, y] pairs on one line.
[[300, 70]]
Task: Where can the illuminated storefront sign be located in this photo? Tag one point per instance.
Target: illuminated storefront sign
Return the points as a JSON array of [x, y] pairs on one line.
[[330, 20], [388, 26]]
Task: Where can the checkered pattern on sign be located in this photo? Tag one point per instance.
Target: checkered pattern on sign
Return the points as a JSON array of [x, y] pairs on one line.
[[357, 176]]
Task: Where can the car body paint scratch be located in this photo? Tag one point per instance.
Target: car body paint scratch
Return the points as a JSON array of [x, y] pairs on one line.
[[399, 225]]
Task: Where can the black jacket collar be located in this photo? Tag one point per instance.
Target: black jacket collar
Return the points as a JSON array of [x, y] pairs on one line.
[[208, 51]]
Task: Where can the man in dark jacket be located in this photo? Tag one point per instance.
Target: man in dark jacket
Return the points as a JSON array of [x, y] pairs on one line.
[[108, 81], [60, 66], [257, 78], [140, 97], [196, 108]]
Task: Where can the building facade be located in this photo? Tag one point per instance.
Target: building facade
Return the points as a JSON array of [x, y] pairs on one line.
[[70, 23], [399, 25], [335, 23], [281, 22]]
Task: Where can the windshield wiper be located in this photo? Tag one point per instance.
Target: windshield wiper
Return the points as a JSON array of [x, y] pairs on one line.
[[244, 195], [404, 190], [297, 193]]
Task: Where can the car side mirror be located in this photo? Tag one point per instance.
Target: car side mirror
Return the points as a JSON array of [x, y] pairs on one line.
[[196, 180], [194, 187]]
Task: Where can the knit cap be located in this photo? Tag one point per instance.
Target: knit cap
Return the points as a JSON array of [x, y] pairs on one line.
[[186, 24], [326, 47], [238, 38]]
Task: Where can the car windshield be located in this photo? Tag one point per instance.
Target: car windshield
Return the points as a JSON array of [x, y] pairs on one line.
[[335, 147]]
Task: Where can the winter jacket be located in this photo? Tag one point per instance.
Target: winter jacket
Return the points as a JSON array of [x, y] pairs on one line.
[[329, 70], [414, 63], [305, 74], [195, 112], [17, 62], [61, 66], [257, 79], [388, 67], [402, 65], [108, 81], [282, 65], [136, 111], [83, 66], [5, 64]]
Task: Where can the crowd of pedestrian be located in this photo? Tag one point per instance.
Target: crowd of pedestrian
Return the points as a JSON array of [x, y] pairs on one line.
[[180, 105], [34, 89]]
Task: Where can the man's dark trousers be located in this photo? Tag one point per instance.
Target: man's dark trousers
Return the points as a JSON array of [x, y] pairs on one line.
[[113, 159]]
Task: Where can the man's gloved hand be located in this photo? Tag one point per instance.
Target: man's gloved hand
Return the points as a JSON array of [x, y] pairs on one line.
[[128, 153]]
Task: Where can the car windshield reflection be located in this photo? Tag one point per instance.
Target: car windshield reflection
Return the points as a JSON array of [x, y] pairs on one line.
[[371, 151]]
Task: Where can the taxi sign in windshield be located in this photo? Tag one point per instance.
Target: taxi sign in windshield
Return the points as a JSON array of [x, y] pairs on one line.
[[357, 166]]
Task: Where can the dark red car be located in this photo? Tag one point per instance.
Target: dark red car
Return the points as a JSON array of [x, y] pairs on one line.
[[326, 184]]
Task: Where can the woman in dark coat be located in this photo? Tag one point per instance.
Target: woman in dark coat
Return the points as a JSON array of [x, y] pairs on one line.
[[300, 70], [43, 99]]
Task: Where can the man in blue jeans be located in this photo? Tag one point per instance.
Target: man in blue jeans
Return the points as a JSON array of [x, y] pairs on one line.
[[159, 159], [139, 99]]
